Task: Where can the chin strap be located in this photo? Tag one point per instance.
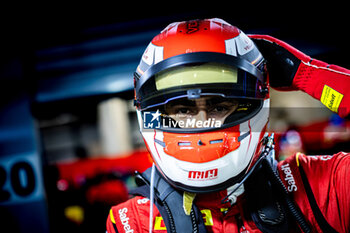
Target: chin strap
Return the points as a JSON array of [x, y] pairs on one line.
[[237, 192], [268, 143]]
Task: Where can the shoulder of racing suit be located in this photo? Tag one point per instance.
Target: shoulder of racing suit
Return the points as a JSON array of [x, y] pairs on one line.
[[130, 216], [319, 186], [166, 204]]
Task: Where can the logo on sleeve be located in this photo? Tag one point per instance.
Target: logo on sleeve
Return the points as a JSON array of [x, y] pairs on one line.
[[331, 98], [125, 220]]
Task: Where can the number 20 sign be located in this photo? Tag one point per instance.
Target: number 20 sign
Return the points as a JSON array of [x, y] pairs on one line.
[[20, 179]]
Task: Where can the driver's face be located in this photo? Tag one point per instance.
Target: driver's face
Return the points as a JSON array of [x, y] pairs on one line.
[[201, 109]]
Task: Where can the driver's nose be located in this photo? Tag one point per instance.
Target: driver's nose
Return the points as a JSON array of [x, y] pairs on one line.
[[201, 116]]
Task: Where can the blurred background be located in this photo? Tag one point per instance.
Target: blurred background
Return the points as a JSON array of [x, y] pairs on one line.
[[69, 139]]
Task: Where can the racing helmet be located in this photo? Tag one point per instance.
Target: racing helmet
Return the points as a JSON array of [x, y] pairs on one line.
[[202, 104]]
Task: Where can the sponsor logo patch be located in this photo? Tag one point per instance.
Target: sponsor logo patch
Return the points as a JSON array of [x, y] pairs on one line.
[[125, 220], [203, 175], [331, 98], [289, 178]]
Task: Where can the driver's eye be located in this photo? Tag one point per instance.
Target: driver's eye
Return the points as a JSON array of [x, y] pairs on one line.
[[219, 108], [183, 111]]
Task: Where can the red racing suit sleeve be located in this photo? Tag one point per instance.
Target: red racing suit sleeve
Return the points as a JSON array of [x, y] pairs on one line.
[[124, 218], [328, 177], [328, 83], [132, 216]]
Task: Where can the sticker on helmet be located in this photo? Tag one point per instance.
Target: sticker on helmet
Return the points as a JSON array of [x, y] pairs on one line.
[[203, 175]]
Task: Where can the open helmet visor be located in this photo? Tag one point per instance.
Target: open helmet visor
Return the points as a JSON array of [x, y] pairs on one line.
[[228, 89]]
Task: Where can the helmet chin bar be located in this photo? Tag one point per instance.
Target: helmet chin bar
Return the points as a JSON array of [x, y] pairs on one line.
[[268, 143], [230, 182]]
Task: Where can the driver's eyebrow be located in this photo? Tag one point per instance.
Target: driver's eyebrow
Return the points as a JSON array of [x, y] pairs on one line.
[[214, 101], [193, 103], [184, 102]]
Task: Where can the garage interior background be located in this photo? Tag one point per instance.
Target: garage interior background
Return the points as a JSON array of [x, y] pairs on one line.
[[68, 132]]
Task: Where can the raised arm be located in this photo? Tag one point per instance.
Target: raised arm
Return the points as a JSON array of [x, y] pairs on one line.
[[290, 69]]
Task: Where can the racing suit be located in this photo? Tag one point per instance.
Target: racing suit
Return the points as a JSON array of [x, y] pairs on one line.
[[325, 174], [318, 185]]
